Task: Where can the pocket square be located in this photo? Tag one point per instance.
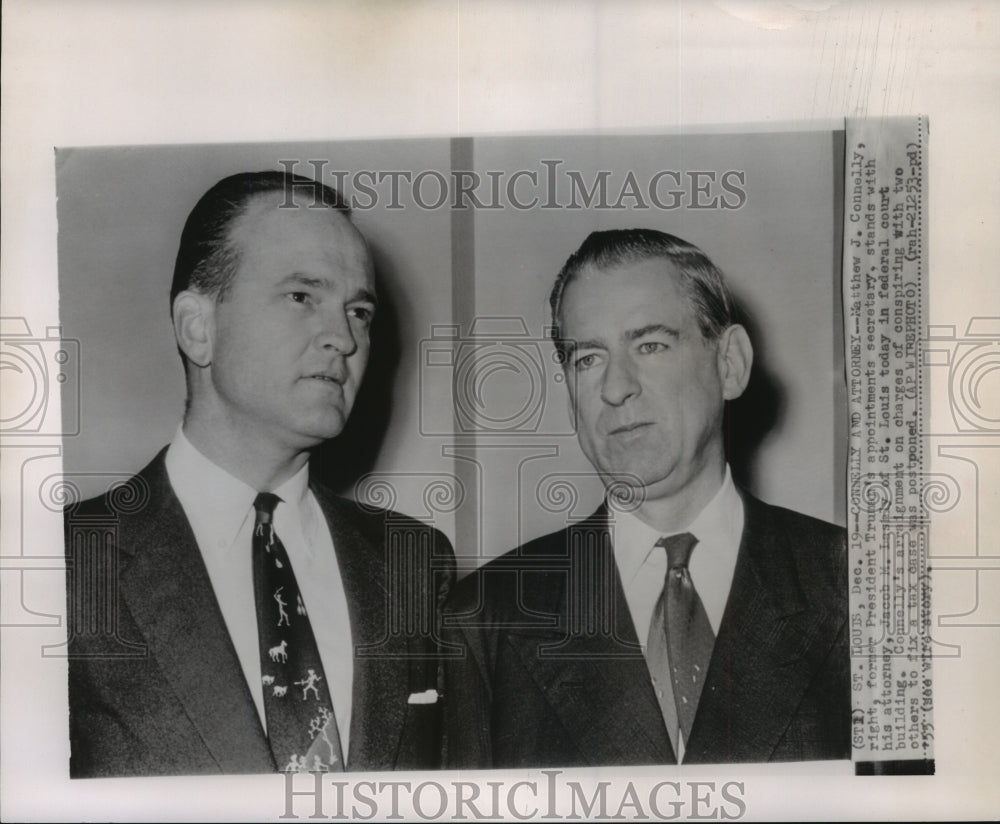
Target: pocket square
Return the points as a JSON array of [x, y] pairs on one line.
[[425, 697]]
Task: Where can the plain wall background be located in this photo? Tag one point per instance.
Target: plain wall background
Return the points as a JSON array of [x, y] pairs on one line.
[[490, 485]]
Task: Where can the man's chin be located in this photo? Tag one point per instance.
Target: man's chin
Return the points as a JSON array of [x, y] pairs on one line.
[[634, 486], [627, 489], [321, 431]]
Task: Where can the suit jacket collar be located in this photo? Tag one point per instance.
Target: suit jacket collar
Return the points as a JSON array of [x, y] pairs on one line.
[[380, 656], [165, 586], [769, 646], [590, 665], [770, 557], [591, 669]]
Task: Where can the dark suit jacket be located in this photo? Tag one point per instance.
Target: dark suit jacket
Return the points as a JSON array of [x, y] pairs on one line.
[[155, 686], [553, 676]]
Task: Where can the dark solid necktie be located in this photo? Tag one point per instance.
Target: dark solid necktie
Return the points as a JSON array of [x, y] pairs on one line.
[[301, 727], [688, 632]]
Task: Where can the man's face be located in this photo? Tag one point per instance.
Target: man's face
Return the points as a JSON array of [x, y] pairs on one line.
[[645, 385], [290, 336]]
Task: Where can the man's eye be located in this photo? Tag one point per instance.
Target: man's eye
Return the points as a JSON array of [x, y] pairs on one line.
[[584, 361], [650, 346], [363, 313], [299, 297]]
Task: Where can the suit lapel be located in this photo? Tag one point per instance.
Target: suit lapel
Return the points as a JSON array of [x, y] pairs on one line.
[[166, 588], [761, 664], [591, 668], [380, 661]]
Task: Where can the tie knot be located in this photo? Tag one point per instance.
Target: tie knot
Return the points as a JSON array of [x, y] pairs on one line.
[[678, 548], [264, 505]]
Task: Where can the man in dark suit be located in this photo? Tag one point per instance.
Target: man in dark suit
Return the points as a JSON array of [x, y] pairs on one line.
[[227, 612], [685, 621]]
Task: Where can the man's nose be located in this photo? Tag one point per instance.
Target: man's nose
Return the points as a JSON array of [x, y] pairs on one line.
[[620, 382], [336, 333]]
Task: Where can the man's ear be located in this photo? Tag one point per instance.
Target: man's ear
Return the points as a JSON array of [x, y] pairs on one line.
[[194, 326], [735, 354]]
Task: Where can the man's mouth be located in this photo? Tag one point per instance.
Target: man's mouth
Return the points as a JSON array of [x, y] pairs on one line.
[[337, 379], [624, 429]]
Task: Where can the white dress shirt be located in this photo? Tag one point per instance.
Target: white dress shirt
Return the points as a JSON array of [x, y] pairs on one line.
[[643, 567], [220, 510]]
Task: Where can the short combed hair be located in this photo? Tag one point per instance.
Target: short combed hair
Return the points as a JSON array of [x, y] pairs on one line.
[[207, 260], [700, 279]]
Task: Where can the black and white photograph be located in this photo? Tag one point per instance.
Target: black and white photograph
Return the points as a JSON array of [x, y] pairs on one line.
[[496, 388], [392, 433]]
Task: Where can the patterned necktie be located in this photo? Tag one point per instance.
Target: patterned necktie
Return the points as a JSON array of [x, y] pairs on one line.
[[689, 634], [301, 726]]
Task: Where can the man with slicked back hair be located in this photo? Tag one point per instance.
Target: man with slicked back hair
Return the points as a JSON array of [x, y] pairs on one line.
[[253, 606]]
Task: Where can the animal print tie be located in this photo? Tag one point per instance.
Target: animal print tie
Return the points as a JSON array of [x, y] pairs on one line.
[[301, 726]]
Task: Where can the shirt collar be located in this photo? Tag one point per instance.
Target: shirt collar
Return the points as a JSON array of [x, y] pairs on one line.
[[293, 517], [293, 491], [720, 523], [217, 503]]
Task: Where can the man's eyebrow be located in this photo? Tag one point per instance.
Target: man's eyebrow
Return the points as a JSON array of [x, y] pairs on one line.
[[652, 328], [304, 280], [365, 295], [571, 345]]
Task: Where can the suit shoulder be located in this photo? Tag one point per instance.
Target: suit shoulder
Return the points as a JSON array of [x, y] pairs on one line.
[[531, 567], [129, 504], [376, 522], [88, 508], [553, 543], [121, 498], [132, 496], [816, 548], [806, 526], [531, 554]]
